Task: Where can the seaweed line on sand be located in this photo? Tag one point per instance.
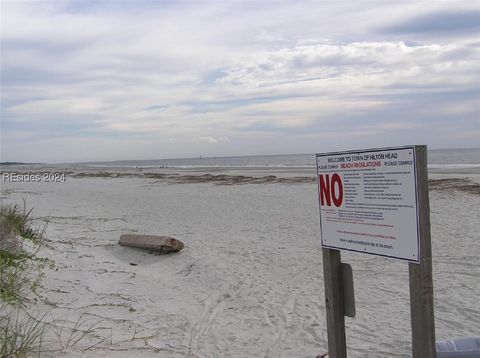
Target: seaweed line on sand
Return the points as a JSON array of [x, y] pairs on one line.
[[449, 184], [454, 184]]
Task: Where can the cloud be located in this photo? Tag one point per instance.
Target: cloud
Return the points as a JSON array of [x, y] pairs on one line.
[[440, 22], [267, 36], [176, 77], [317, 81], [333, 61], [213, 140]]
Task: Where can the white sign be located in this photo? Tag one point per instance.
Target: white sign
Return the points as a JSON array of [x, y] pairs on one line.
[[368, 202]]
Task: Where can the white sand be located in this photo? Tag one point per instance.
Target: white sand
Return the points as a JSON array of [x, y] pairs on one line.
[[249, 281]]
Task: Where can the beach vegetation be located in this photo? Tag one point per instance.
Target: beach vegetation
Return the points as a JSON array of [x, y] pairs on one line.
[[21, 335], [69, 336], [20, 267], [20, 264]]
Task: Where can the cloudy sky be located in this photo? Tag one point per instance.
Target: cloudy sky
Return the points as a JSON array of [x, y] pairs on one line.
[[107, 80]]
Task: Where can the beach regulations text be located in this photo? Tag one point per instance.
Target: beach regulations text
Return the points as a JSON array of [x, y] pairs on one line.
[[368, 202]]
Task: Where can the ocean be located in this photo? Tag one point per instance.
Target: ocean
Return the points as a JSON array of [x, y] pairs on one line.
[[437, 159]]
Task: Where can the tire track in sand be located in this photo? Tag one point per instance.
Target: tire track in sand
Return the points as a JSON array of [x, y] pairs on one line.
[[213, 305]]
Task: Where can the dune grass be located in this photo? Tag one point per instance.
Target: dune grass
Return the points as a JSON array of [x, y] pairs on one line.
[[20, 335], [19, 245], [21, 332], [20, 267]]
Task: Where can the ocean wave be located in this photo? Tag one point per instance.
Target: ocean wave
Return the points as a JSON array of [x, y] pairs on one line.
[[452, 166]]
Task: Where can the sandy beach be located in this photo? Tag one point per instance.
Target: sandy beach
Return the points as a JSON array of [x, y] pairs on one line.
[[249, 281]]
